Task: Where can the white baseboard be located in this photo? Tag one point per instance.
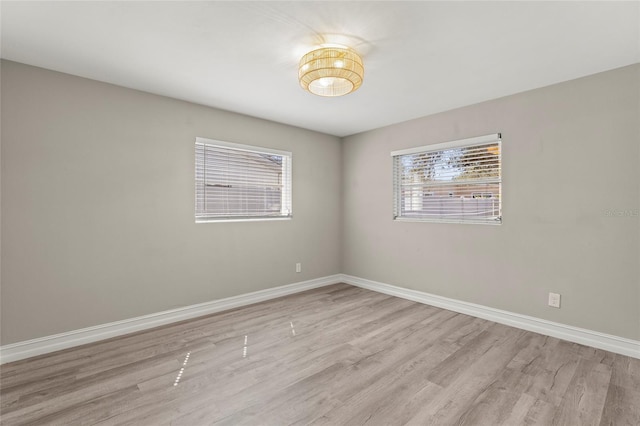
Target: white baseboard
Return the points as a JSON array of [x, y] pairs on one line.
[[47, 344], [43, 345], [583, 336]]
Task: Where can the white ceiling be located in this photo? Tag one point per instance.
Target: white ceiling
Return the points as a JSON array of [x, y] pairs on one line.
[[420, 57]]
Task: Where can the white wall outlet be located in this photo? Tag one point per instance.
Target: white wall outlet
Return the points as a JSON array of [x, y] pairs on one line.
[[298, 267], [554, 300]]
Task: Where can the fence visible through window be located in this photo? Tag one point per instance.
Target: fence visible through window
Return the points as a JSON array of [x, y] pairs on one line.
[[236, 181], [457, 181]]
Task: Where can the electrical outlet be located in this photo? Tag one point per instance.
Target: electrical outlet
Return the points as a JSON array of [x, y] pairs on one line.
[[554, 300], [298, 267]]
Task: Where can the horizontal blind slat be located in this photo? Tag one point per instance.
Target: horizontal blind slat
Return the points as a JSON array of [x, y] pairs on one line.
[[241, 183], [462, 183]]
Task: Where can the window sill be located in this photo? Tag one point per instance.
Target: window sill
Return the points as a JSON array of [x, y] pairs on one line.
[[247, 219], [462, 222]]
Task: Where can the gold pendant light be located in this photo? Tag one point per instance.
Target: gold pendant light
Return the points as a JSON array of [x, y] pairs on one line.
[[331, 71]]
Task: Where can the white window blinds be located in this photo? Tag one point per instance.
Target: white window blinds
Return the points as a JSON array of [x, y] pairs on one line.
[[459, 181], [241, 182]]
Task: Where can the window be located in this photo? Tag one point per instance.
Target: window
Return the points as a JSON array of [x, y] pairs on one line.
[[457, 181], [241, 182]]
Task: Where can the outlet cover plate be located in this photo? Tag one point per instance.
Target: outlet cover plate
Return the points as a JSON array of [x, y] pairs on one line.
[[554, 300]]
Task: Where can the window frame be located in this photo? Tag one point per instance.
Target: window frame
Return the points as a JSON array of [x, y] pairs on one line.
[[287, 182], [468, 142]]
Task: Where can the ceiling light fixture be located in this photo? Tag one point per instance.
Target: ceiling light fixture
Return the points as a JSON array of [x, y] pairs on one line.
[[331, 71]]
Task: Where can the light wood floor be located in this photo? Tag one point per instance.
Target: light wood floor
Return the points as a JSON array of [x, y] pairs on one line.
[[337, 355]]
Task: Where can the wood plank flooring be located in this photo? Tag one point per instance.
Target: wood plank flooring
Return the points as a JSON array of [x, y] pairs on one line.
[[337, 355]]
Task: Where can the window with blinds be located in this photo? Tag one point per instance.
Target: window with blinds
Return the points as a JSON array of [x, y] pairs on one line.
[[241, 182], [459, 181]]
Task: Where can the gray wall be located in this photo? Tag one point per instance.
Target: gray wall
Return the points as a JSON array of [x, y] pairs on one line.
[[98, 206], [570, 155]]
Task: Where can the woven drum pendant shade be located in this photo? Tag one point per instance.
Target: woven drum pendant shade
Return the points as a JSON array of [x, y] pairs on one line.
[[331, 71]]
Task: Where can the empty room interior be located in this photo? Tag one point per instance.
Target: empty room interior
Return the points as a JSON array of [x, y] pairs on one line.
[[326, 213]]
